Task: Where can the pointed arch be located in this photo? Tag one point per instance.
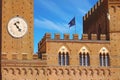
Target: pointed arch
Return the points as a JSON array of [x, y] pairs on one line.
[[63, 56], [63, 49], [103, 50], [84, 58], [84, 49]]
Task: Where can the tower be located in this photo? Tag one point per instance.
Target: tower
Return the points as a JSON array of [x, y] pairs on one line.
[[114, 31], [16, 28]]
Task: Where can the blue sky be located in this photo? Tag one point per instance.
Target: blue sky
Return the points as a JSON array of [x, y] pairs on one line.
[[53, 16]]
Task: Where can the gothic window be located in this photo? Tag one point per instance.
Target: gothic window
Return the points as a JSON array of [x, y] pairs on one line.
[[84, 57], [104, 57], [63, 57]]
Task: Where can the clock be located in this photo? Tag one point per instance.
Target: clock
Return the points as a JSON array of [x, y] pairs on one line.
[[17, 27]]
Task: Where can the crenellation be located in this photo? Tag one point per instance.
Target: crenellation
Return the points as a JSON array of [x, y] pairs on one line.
[[101, 1], [35, 56], [93, 9], [4, 56], [57, 37], [47, 36], [14, 56], [24, 56], [66, 36], [98, 3], [89, 13], [75, 36], [44, 57], [86, 15], [93, 36], [95, 6], [84, 36], [102, 37], [84, 18]]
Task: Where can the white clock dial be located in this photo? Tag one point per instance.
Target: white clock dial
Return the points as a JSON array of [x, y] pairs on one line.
[[17, 27]]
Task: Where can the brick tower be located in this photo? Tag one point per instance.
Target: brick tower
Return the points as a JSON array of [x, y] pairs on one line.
[[16, 28]]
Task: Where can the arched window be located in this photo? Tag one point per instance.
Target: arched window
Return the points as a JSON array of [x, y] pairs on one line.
[[104, 57], [63, 56], [84, 57]]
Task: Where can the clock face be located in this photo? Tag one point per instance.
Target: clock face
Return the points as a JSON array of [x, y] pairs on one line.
[[17, 27]]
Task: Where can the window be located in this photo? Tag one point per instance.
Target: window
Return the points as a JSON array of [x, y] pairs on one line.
[[104, 57], [84, 57], [63, 56]]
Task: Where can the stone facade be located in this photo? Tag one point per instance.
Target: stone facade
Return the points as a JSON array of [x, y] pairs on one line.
[[93, 57]]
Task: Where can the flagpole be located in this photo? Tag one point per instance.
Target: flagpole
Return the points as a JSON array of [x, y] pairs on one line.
[[75, 28], [75, 25]]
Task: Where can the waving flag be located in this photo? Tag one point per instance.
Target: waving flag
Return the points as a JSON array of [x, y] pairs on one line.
[[72, 22]]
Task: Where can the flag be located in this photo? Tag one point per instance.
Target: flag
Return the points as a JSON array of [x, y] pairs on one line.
[[72, 22]]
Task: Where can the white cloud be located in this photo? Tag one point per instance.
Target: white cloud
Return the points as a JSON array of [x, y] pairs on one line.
[[49, 25], [54, 8], [83, 12]]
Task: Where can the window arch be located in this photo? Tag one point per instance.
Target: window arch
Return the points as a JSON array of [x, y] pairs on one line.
[[63, 56], [84, 58], [104, 57]]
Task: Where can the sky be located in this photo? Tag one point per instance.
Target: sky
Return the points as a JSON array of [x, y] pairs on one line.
[[53, 16]]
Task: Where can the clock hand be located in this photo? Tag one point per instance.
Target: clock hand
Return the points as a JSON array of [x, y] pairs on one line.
[[17, 26]]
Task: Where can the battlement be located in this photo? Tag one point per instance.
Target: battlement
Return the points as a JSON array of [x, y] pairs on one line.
[[57, 36], [90, 12], [16, 56], [96, 6]]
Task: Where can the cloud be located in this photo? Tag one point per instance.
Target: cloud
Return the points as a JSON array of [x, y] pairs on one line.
[[50, 25], [54, 8], [83, 12]]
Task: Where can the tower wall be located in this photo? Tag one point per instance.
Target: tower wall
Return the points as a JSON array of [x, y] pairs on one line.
[[114, 11], [11, 45], [96, 20]]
